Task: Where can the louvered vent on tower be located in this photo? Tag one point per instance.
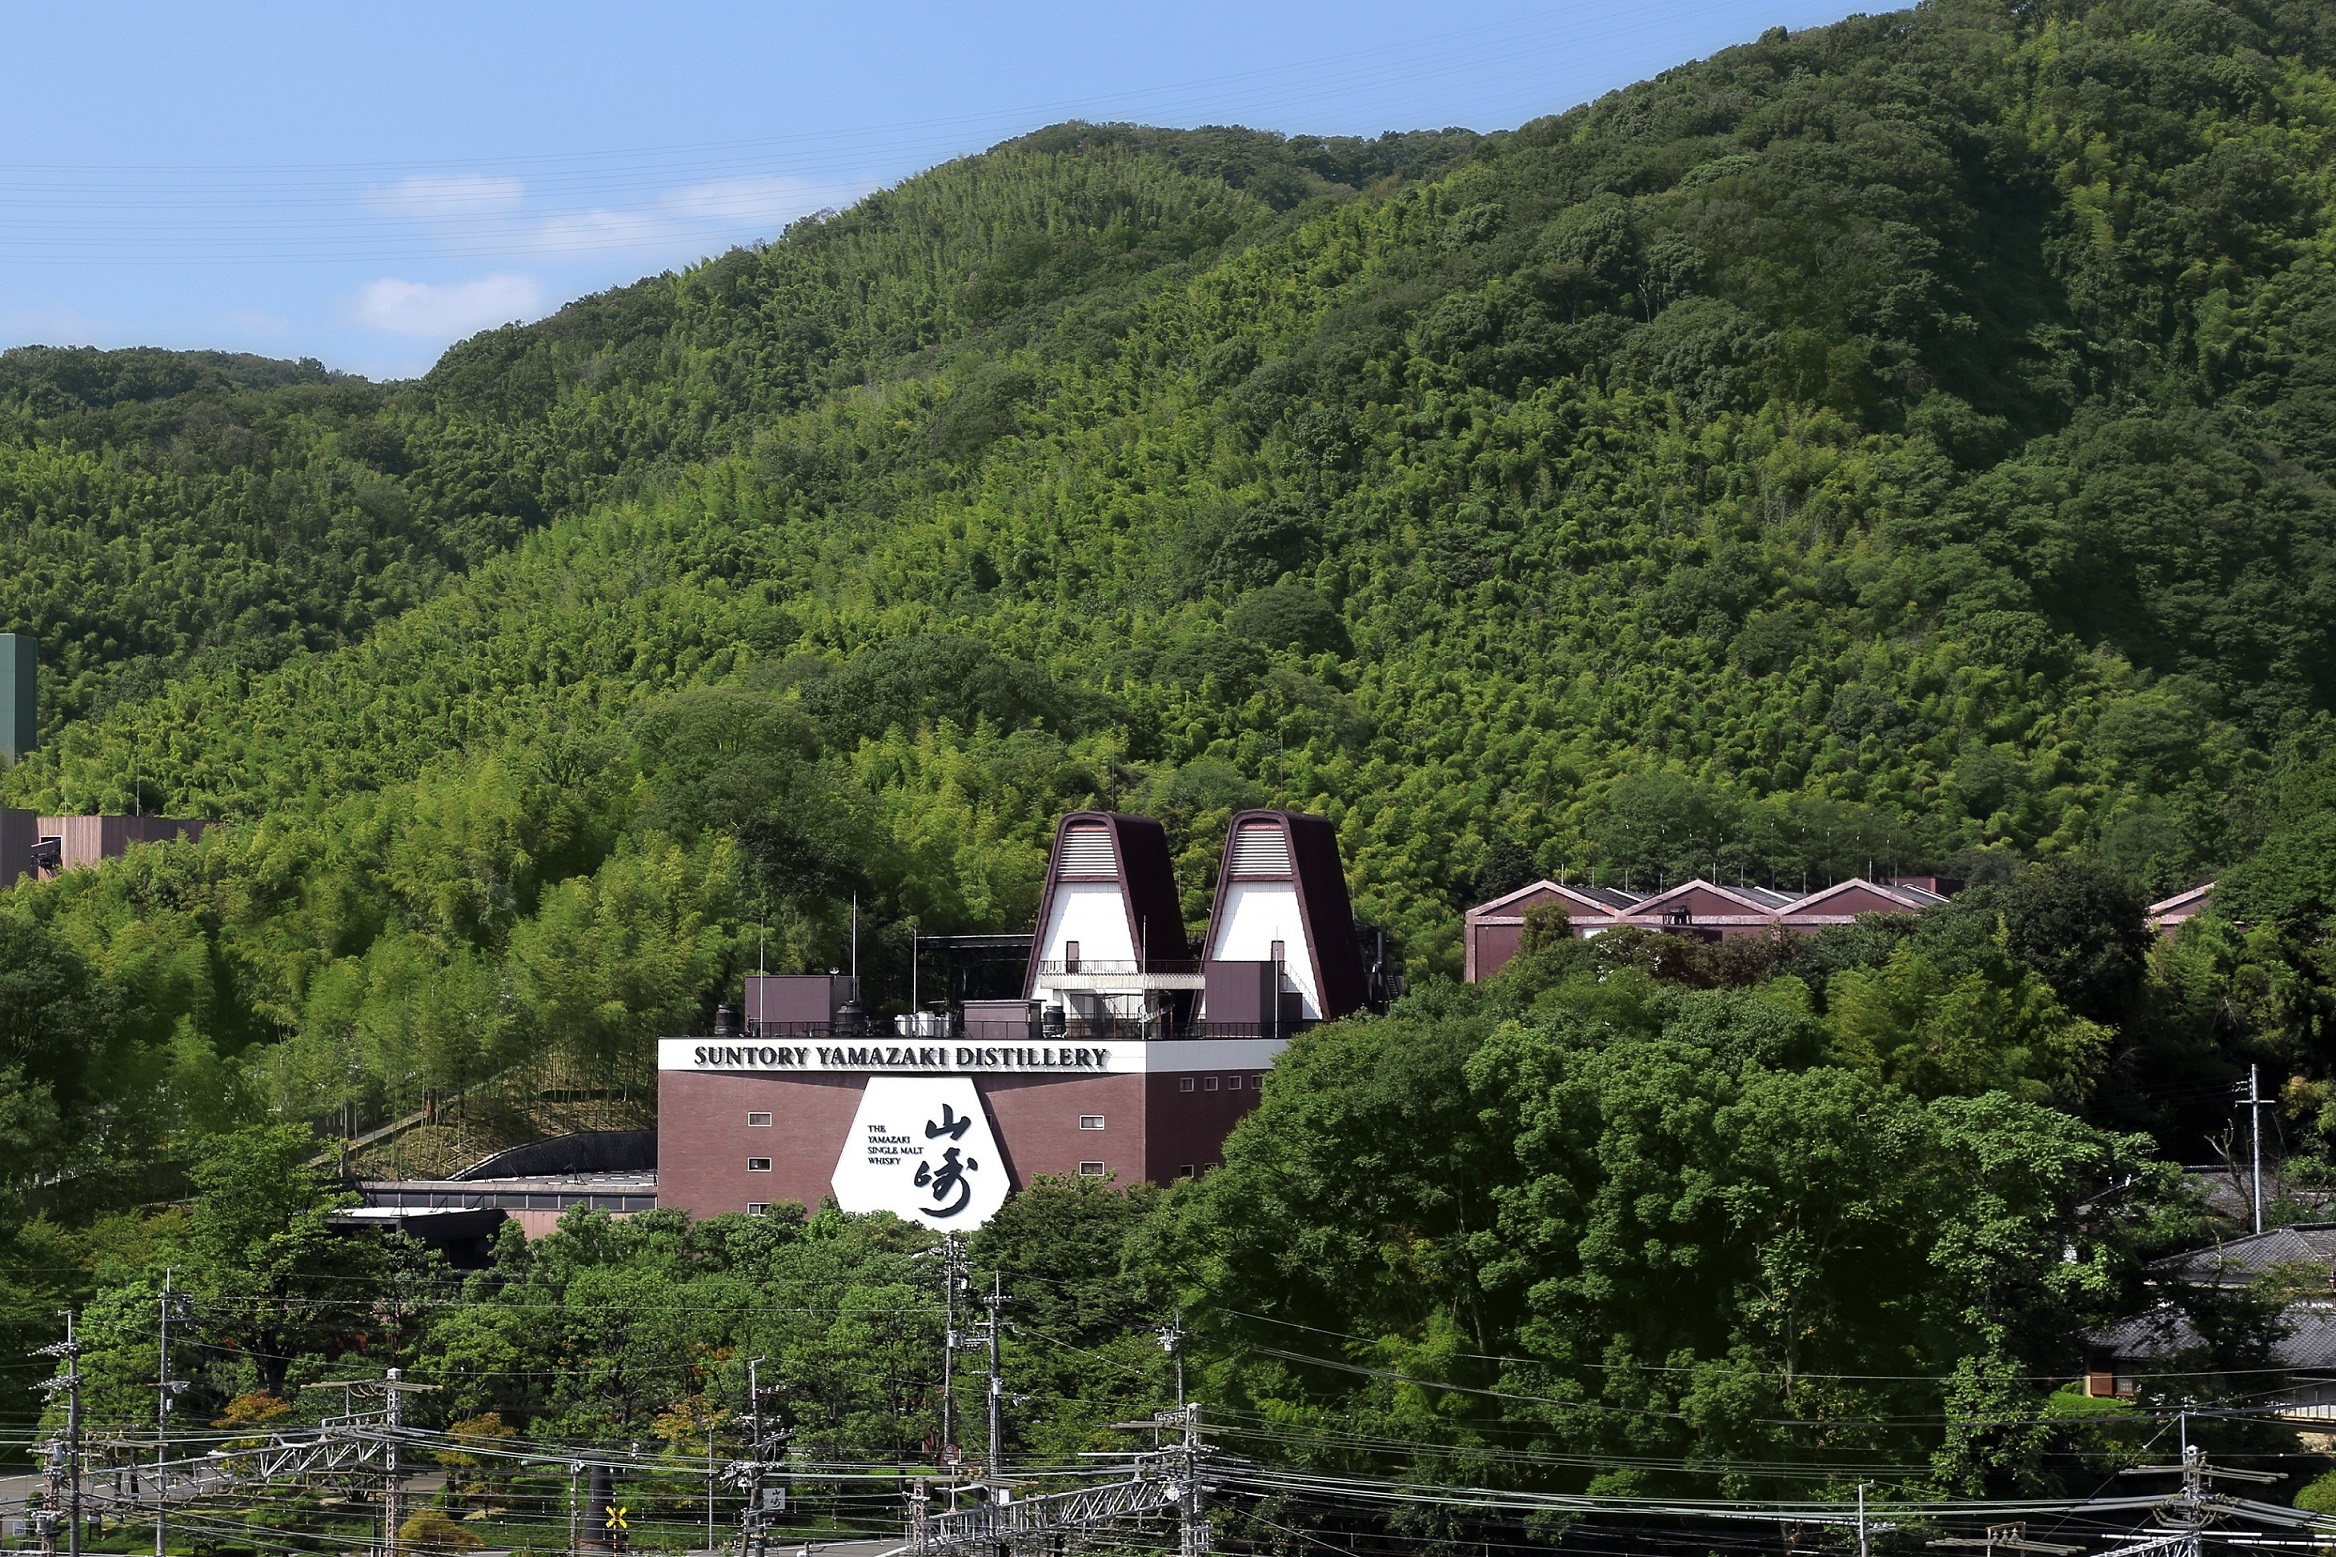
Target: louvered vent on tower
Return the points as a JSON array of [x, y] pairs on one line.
[[1086, 852], [1261, 849]]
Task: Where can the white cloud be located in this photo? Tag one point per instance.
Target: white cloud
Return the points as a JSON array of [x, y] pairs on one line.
[[760, 198], [476, 214], [700, 216], [450, 310], [449, 197]]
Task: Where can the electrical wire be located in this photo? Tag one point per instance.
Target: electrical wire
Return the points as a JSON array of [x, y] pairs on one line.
[[270, 213]]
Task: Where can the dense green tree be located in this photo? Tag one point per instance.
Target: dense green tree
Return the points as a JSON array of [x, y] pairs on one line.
[[1651, 1222], [279, 1282]]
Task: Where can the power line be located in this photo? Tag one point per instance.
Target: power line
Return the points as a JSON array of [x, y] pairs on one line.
[[302, 235]]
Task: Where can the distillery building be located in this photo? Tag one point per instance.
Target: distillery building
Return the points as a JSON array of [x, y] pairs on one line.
[[1129, 1052]]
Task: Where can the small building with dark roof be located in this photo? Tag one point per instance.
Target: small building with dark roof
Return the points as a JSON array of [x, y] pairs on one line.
[[2168, 915], [2163, 1340], [46, 846]]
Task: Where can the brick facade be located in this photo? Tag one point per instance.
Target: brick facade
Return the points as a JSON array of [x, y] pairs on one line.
[[1152, 1127]]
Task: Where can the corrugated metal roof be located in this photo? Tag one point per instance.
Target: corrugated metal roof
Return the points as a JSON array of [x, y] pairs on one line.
[[1760, 902], [2164, 906], [1613, 897], [1609, 898]]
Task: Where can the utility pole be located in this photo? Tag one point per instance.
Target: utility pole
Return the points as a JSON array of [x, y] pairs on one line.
[[69, 1471], [389, 1494], [2196, 1505], [165, 1392], [73, 1435], [1172, 1342], [575, 1469], [393, 1493], [1862, 1550], [2255, 1135], [997, 1387], [52, 1494], [754, 1521], [952, 1277], [766, 1450], [1192, 1530], [1192, 1538]]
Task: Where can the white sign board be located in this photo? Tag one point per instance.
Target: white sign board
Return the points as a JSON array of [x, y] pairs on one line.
[[921, 1148], [813, 1054], [861, 1057]]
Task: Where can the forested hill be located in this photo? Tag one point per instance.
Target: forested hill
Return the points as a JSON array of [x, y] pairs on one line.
[[163, 509], [1900, 444]]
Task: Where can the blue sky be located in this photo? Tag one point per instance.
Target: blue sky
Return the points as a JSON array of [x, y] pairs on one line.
[[369, 184]]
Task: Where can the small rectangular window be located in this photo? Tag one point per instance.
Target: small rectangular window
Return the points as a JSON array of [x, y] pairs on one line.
[[1232, 1083], [1184, 1083], [757, 1207], [1212, 1086], [753, 1120], [1185, 1171], [758, 1165], [1070, 956], [1090, 1121], [1090, 1170]]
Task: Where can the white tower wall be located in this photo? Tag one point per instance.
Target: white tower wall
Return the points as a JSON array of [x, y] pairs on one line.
[[1257, 914]]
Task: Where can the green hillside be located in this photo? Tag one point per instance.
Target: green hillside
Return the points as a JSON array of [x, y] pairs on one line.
[[1901, 445]]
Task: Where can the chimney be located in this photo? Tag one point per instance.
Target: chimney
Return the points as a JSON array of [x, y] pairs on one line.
[[20, 704]]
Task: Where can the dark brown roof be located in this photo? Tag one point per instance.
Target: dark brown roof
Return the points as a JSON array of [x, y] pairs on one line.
[[1330, 915]]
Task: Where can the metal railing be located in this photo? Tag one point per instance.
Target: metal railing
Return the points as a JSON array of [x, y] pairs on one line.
[[866, 1027], [1094, 1029], [1106, 965]]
